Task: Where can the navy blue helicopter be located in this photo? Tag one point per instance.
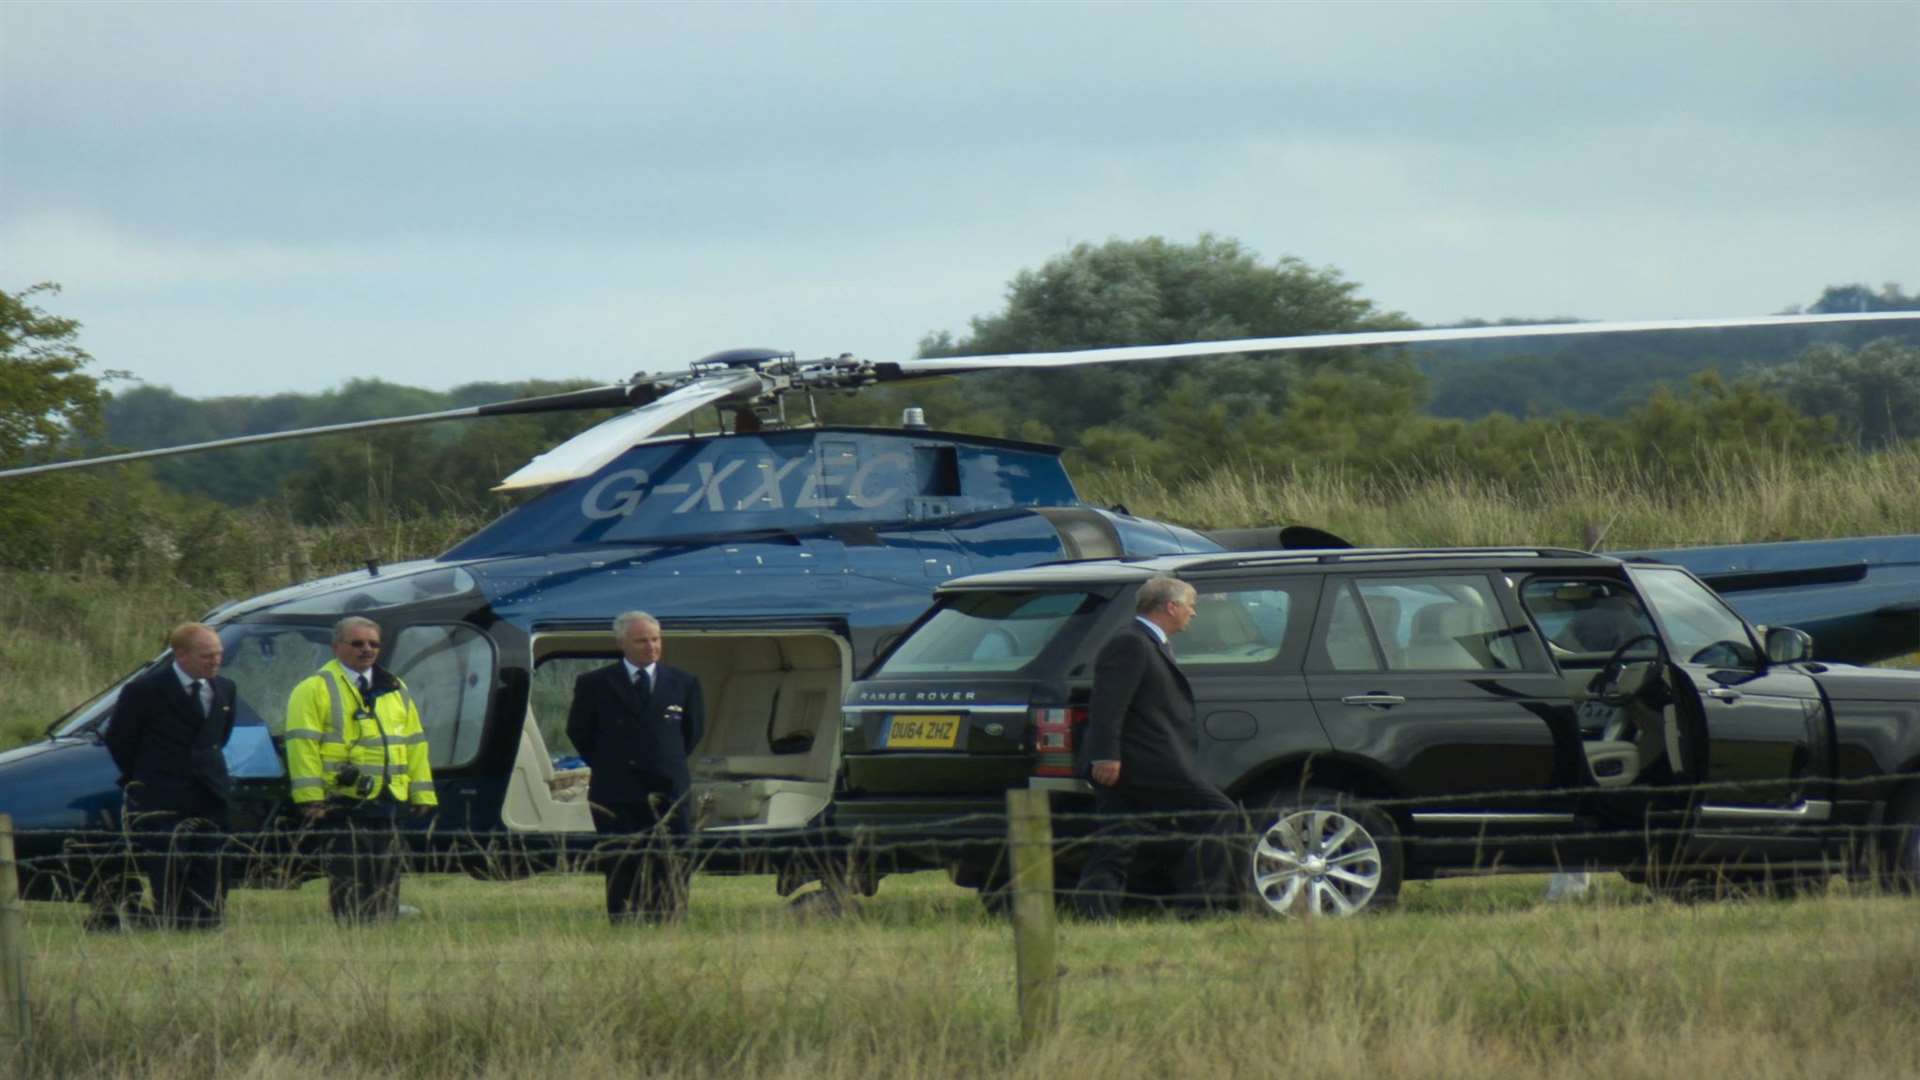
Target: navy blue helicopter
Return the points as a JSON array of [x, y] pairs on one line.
[[780, 558]]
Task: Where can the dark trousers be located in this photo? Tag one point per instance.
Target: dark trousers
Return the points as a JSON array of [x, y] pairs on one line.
[[179, 847], [1187, 832], [363, 857], [646, 875]]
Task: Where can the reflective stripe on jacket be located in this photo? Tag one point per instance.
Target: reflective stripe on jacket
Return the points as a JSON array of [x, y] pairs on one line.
[[326, 731]]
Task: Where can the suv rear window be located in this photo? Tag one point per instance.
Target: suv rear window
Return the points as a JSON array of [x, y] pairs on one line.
[[987, 632]]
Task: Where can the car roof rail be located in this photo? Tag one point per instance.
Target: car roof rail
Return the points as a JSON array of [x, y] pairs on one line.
[[1356, 555]]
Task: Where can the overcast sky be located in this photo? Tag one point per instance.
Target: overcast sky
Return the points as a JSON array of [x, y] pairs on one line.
[[250, 198]]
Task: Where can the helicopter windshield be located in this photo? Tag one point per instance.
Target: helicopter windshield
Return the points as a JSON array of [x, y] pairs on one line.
[[373, 593]]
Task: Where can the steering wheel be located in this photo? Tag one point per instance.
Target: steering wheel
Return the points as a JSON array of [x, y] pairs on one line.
[[1604, 686]]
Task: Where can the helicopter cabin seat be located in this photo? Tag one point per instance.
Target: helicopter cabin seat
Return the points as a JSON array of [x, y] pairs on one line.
[[532, 803], [772, 734]]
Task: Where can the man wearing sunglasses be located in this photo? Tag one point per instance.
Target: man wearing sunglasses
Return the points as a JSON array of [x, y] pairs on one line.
[[357, 754]]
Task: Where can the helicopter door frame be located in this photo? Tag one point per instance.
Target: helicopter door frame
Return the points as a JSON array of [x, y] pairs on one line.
[[771, 752]]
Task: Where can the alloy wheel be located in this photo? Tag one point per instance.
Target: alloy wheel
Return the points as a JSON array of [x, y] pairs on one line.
[[1316, 862]]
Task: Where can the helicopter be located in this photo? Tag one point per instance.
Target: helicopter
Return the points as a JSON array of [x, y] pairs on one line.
[[781, 556]]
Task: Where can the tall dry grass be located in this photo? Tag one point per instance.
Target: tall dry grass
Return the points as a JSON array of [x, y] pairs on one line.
[[65, 635], [1472, 979], [1643, 505]]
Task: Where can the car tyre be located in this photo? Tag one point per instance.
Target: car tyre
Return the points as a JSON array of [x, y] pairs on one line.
[[1322, 854]]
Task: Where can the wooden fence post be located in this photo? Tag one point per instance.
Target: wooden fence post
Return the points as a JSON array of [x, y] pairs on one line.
[[13, 943], [1030, 839]]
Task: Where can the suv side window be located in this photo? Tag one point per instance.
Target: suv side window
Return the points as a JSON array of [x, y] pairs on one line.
[[1428, 623], [1244, 624], [1583, 620], [1349, 645]]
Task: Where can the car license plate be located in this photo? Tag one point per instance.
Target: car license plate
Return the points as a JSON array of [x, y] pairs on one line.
[[929, 731]]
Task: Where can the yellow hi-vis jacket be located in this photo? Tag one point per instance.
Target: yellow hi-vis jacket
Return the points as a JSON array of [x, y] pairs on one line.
[[329, 727]]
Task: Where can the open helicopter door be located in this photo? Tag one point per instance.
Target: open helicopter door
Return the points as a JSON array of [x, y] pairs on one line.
[[772, 743]]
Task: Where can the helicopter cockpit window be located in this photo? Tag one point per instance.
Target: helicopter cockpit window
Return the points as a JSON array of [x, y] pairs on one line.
[[449, 671], [265, 662], [384, 592]]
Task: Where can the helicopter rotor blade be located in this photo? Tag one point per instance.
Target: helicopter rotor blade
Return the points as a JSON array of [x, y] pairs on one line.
[[599, 397], [594, 447], [947, 365]]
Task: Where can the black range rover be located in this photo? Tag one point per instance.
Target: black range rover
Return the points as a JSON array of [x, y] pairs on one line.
[[1394, 714]]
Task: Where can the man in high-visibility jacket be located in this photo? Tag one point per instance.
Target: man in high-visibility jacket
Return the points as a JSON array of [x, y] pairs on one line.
[[356, 754]]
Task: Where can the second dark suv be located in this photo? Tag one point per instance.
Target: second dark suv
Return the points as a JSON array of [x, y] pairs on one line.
[[1391, 714]]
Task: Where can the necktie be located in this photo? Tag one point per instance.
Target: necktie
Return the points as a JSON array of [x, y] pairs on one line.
[[642, 688], [366, 686], [199, 703]]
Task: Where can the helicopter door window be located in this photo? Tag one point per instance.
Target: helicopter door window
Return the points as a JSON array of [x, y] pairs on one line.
[[265, 663], [449, 672], [550, 695]]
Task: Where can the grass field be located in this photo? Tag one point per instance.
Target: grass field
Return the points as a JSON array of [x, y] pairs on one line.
[[1475, 978]]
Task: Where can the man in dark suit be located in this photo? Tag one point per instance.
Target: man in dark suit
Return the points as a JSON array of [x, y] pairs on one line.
[[167, 735], [1140, 745], [634, 723]]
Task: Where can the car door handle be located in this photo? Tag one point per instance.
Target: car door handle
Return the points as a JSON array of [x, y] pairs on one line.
[[1724, 694], [1373, 699]]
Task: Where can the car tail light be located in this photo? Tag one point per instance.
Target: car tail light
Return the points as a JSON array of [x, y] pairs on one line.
[[1054, 731]]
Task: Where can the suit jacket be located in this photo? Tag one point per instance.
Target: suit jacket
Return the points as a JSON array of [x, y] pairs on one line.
[[636, 751], [1142, 715], [169, 757]]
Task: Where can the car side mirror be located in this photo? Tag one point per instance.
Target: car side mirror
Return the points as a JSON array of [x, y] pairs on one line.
[[1787, 645]]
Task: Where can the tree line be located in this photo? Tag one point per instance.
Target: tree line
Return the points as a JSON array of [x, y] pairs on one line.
[[1499, 411]]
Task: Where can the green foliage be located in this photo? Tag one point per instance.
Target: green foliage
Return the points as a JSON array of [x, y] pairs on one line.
[[44, 396], [1872, 395], [1840, 298], [1608, 375], [432, 469], [1142, 292]]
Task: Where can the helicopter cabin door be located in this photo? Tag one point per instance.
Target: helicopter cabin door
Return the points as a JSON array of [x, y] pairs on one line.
[[772, 741]]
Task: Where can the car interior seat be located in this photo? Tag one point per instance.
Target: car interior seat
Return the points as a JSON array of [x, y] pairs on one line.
[[1611, 622], [1435, 642], [1640, 731]]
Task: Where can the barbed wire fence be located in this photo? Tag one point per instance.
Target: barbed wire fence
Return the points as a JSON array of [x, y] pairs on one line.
[[1026, 845]]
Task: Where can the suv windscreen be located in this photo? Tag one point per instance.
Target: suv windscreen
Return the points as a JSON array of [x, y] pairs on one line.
[[1701, 629], [989, 632]]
